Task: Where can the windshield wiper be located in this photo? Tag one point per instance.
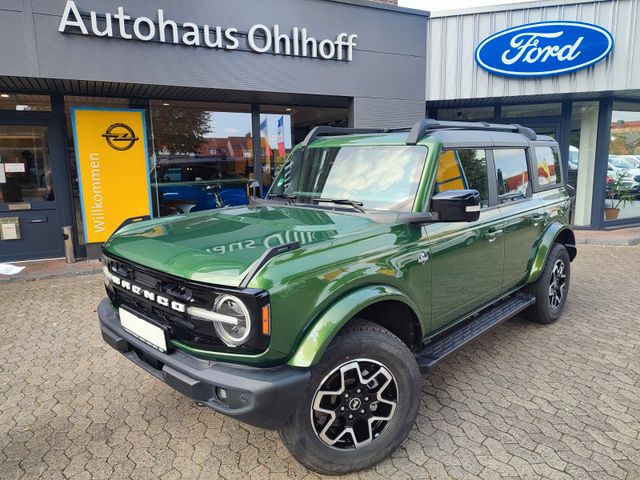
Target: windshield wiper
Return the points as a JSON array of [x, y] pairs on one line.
[[342, 201], [291, 199]]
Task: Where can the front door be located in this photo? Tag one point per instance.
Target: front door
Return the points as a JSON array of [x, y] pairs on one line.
[[29, 214], [466, 258]]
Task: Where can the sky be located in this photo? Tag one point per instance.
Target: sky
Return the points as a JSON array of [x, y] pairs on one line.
[[435, 5]]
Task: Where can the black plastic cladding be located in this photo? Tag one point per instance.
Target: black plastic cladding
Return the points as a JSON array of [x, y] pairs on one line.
[[184, 328]]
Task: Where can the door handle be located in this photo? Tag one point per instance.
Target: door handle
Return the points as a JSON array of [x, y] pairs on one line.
[[537, 218], [491, 235]]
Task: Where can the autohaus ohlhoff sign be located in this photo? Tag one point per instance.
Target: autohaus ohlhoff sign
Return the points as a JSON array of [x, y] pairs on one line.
[[259, 38], [544, 48]]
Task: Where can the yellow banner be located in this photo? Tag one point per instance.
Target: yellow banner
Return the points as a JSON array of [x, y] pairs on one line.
[[113, 169]]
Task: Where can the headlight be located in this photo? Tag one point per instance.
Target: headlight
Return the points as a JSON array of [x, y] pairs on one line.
[[230, 334], [230, 318]]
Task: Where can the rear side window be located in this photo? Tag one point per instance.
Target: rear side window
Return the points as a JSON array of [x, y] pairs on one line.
[[548, 166], [462, 169], [512, 173]]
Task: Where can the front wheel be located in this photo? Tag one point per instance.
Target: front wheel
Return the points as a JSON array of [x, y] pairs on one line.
[[361, 402], [551, 288]]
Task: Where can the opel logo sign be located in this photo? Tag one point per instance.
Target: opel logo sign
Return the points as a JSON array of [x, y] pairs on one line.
[[120, 137]]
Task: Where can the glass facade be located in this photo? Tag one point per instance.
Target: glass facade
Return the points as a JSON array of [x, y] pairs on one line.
[[202, 155], [282, 127], [466, 114], [21, 102], [531, 110], [25, 166], [623, 169]]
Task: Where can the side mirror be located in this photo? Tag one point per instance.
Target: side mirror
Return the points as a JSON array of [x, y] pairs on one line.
[[457, 205]]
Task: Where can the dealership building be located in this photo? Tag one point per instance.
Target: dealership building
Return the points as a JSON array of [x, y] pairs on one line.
[[114, 109]]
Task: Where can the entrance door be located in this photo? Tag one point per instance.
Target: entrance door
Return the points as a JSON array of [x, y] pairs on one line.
[[29, 223]]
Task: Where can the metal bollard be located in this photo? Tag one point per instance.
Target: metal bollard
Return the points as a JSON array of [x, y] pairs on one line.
[[67, 234]]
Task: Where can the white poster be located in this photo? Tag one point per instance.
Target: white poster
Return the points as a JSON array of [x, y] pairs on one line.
[[14, 167], [3, 178]]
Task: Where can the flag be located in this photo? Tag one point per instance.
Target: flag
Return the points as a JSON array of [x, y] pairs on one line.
[[281, 150], [264, 137]]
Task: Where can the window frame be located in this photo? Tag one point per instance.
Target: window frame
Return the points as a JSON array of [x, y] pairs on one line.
[[492, 184], [533, 168], [528, 156]]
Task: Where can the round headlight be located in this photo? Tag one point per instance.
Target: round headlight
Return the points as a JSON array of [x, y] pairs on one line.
[[232, 335]]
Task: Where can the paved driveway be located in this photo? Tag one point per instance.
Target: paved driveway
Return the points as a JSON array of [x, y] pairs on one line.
[[561, 401]]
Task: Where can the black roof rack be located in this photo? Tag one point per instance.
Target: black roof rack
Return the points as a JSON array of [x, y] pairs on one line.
[[419, 130]]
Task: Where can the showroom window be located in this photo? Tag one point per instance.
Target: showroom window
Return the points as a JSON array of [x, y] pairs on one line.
[[623, 170], [531, 110], [203, 155], [25, 102], [282, 127], [466, 114]]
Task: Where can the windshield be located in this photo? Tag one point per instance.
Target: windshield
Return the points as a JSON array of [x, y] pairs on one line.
[[622, 162], [377, 177]]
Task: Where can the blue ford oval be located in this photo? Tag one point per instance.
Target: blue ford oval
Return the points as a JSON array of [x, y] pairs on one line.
[[544, 48]]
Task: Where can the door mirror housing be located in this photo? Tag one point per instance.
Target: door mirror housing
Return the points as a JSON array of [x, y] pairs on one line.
[[457, 205]]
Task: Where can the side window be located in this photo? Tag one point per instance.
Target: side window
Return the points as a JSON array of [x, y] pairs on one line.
[[463, 168], [548, 166], [512, 173]]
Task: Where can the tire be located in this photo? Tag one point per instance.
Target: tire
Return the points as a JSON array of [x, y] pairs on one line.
[[548, 308], [390, 373]]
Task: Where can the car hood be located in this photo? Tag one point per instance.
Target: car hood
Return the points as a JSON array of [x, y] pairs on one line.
[[221, 246]]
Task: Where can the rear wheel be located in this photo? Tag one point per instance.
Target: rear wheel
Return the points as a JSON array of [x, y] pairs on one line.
[[551, 288], [362, 401]]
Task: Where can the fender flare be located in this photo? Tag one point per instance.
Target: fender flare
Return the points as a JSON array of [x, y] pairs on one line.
[[331, 321], [549, 237]]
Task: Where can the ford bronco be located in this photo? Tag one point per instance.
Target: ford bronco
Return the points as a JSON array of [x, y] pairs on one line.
[[374, 255]]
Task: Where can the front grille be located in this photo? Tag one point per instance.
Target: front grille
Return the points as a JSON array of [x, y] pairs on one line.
[[191, 331]]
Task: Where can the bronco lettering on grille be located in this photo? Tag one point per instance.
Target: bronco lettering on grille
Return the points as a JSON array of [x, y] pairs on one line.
[[149, 295]]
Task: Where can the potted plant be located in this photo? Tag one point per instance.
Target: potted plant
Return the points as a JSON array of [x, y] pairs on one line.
[[619, 193]]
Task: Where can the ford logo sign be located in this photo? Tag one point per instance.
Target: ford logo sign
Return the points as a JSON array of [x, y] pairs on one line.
[[544, 48]]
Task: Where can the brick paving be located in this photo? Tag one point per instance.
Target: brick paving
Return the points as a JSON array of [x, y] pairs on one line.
[[525, 401]]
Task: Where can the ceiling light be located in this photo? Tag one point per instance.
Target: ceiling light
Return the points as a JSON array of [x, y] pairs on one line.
[[4, 95], [166, 104], [288, 109]]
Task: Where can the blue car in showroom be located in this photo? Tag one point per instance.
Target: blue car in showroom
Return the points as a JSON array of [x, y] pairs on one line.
[[193, 184]]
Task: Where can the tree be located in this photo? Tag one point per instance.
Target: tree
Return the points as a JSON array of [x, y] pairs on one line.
[[179, 130]]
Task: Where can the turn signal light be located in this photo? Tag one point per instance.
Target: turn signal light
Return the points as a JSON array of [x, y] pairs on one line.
[[266, 320]]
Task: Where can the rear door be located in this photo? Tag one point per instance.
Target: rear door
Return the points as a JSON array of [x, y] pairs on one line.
[[466, 258], [522, 214]]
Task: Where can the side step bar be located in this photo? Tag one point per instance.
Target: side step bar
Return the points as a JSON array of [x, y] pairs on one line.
[[435, 351]]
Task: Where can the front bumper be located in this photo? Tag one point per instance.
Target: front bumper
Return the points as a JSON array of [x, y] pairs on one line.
[[263, 397]]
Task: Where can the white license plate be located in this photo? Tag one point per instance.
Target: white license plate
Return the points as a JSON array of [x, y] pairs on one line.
[[145, 331]]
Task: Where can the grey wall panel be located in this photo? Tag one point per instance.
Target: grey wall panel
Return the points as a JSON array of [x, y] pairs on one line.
[[381, 30], [15, 43], [89, 58], [386, 112], [453, 74], [15, 5], [391, 45]]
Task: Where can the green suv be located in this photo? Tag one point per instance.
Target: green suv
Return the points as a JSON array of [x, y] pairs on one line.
[[375, 254]]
